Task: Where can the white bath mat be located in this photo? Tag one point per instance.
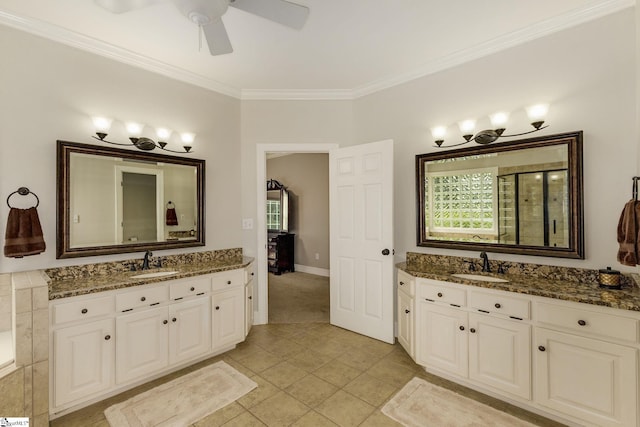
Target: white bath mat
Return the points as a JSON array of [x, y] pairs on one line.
[[422, 404], [182, 401]]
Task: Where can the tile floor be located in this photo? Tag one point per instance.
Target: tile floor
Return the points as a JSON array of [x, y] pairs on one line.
[[311, 374]]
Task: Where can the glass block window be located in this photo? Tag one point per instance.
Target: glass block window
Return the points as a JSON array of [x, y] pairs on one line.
[[273, 214], [462, 201]]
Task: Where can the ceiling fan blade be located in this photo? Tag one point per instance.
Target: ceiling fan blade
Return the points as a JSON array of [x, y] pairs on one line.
[[217, 37], [121, 6], [283, 12]]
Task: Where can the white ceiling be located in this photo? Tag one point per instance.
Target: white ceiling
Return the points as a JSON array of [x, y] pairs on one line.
[[347, 49]]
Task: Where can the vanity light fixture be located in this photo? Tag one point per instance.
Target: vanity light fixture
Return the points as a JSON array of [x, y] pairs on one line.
[[536, 114], [103, 124]]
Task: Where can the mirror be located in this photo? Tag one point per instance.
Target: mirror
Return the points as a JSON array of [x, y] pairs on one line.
[[521, 197], [277, 207], [117, 201]]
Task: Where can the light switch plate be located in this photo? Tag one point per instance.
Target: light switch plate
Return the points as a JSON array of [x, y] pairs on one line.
[[247, 223]]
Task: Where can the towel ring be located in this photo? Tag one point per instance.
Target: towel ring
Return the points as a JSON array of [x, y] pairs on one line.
[[169, 205], [23, 191]]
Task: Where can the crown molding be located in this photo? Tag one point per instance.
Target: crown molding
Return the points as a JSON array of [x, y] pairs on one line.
[[579, 16], [89, 44], [515, 38]]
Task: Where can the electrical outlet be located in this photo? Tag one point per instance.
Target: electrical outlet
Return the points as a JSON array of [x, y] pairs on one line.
[[317, 256], [247, 223]]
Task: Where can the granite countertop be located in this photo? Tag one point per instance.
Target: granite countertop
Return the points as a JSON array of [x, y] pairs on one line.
[[64, 288], [627, 298]]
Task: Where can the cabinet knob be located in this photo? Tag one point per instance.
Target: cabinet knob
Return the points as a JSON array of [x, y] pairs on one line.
[[253, 274], [582, 322], [472, 330], [462, 328], [85, 311], [143, 299], [385, 252], [192, 289], [228, 282], [250, 297], [407, 311], [401, 283], [174, 320], [165, 321], [440, 294], [497, 305], [217, 307], [541, 348], [107, 337]]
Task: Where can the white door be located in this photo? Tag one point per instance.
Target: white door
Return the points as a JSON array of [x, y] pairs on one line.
[[361, 223]]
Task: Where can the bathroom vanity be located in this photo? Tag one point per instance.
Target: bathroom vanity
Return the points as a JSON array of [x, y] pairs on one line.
[[110, 333], [565, 350]]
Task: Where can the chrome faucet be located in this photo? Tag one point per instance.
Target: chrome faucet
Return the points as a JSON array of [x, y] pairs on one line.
[[145, 261], [486, 267]]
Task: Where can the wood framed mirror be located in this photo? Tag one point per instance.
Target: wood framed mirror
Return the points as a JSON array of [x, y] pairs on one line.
[[118, 201], [521, 197]]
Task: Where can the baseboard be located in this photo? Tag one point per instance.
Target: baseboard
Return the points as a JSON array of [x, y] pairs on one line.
[[312, 270]]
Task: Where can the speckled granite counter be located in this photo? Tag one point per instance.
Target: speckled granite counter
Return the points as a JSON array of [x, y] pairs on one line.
[[577, 287], [109, 276]]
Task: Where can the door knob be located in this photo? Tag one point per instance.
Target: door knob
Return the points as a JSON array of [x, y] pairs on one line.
[[385, 252], [541, 348]]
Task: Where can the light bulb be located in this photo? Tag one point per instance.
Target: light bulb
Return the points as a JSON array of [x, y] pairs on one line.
[[438, 132], [134, 129], [467, 126], [499, 119], [537, 112], [187, 138], [163, 133], [102, 124]]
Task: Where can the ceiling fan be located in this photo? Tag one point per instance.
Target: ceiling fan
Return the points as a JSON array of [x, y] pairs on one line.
[[207, 14]]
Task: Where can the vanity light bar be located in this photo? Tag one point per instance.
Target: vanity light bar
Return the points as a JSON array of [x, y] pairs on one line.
[[103, 124]]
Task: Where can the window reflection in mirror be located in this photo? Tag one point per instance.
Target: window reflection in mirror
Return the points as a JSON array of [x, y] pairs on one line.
[[519, 197]]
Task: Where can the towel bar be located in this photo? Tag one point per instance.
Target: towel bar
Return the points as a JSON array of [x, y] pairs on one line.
[[23, 191]]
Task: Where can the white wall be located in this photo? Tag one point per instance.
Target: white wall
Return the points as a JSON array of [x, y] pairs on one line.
[[587, 74], [49, 91]]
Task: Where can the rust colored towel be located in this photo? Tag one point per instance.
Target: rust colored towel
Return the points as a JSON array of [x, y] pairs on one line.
[[628, 233], [172, 217], [24, 234]]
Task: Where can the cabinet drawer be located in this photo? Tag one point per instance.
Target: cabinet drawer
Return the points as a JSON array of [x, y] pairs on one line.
[[500, 304], [587, 322], [442, 293], [406, 283], [190, 287], [227, 279], [85, 309], [141, 298]]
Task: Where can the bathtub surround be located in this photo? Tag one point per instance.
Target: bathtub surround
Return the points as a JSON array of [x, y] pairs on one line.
[[24, 386]]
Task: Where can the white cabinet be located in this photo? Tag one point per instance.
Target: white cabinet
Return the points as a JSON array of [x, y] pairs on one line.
[[83, 357], [228, 320], [248, 298], [142, 342], [189, 329], [406, 312], [500, 354]]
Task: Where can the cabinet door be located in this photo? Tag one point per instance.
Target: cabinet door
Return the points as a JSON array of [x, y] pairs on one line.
[[589, 379], [228, 318], [248, 309], [83, 361], [442, 340], [406, 321], [500, 354], [142, 344], [190, 329]]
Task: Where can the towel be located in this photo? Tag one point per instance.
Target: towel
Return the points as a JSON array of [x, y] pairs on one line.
[[172, 218], [628, 233], [24, 234]]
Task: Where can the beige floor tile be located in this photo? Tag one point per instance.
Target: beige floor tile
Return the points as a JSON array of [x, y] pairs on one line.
[[259, 361], [331, 348], [264, 390], [309, 360], [311, 390], [358, 358], [245, 419], [221, 416], [337, 373], [283, 374], [391, 372], [378, 419], [279, 410], [313, 419], [372, 390], [345, 409], [283, 347]]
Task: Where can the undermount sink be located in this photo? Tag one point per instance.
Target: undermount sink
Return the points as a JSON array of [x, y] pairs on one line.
[[154, 274], [479, 277]]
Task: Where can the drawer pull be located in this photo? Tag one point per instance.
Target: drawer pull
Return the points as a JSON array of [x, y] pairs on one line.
[[128, 309], [85, 311], [217, 307], [516, 318], [472, 330], [541, 348], [407, 311], [174, 320], [497, 305], [440, 294], [462, 328], [581, 322], [483, 311], [192, 289], [143, 299], [201, 293], [454, 305], [156, 303], [228, 282], [107, 337], [165, 321], [427, 299]]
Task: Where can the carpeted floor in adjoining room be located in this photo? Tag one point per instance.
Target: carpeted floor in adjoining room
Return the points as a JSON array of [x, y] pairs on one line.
[[298, 298]]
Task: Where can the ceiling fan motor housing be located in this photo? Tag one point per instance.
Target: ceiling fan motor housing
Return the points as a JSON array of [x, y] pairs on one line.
[[202, 12]]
